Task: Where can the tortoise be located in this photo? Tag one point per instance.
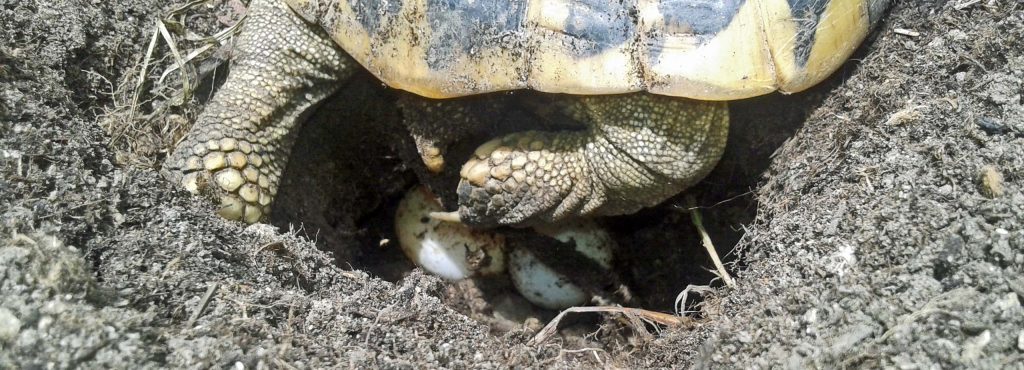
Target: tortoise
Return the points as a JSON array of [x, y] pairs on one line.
[[649, 79]]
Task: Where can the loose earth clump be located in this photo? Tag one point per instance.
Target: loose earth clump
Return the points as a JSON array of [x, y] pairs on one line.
[[884, 232]]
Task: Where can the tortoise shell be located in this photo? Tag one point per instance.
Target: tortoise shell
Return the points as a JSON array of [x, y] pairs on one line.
[[700, 49]]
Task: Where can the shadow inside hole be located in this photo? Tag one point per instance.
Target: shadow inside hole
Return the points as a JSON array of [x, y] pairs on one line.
[[344, 178], [347, 174]]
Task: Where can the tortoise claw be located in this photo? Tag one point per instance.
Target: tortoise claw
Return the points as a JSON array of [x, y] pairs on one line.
[[446, 216]]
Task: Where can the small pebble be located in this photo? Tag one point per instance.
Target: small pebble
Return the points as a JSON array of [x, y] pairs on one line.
[[991, 182], [974, 346], [991, 126], [10, 325]]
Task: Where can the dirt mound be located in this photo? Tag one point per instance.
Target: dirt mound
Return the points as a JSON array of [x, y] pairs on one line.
[[886, 230]]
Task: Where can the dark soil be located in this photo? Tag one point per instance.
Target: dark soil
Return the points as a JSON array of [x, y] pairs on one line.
[[874, 221]]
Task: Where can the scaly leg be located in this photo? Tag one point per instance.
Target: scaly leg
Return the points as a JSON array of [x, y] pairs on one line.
[[239, 145], [639, 150]]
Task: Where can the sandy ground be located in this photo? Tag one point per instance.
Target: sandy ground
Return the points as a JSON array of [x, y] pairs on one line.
[[875, 221]]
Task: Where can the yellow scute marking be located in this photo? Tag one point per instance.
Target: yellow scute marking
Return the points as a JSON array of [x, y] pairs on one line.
[[734, 64], [751, 56], [556, 65], [841, 27]]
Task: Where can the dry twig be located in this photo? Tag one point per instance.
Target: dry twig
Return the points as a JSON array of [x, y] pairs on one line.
[[203, 303], [635, 316]]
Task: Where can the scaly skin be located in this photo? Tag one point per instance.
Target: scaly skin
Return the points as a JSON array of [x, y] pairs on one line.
[[239, 145], [638, 149]]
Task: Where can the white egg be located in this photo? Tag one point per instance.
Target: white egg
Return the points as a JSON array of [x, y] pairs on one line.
[[450, 250], [545, 287]]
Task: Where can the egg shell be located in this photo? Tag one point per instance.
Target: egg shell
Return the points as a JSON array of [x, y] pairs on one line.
[[449, 250], [545, 287]]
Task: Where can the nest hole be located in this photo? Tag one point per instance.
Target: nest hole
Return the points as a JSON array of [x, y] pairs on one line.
[[347, 175]]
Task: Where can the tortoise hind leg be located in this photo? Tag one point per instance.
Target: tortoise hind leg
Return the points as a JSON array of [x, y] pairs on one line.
[[638, 150], [239, 145]]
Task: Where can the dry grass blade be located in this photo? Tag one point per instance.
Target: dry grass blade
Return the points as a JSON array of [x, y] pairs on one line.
[[181, 61], [966, 4], [680, 303], [633, 315], [708, 244], [141, 81], [218, 39], [186, 84], [185, 7], [148, 115]]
